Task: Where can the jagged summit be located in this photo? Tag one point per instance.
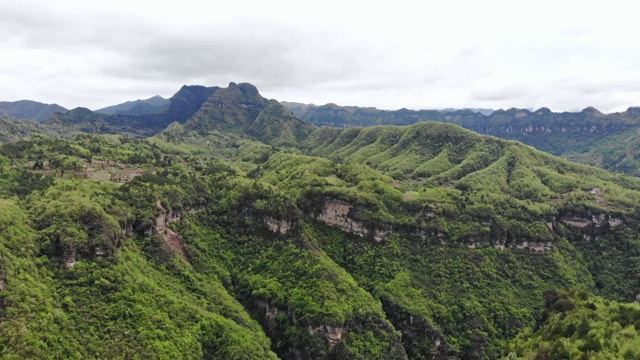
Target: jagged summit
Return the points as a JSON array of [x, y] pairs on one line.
[[240, 109], [187, 101], [590, 110], [543, 111], [633, 111]]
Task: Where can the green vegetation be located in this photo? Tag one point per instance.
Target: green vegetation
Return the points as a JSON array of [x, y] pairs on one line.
[[240, 110], [609, 141], [619, 153], [417, 242], [13, 130], [579, 326]]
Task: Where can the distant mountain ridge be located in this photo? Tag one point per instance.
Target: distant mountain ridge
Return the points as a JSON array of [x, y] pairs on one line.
[[29, 110], [559, 133], [237, 109], [300, 108], [240, 108], [588, 136], [482, 111], [181, 107], [137, 107]]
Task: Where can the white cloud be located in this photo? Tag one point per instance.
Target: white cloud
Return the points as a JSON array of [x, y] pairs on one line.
[[564, 55]]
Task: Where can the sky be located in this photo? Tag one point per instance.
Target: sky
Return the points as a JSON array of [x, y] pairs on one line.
[[565, 55]]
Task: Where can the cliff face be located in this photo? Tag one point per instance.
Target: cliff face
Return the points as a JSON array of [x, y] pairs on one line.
[[324, 337], [580, 226], [416, 329], [336, 213]]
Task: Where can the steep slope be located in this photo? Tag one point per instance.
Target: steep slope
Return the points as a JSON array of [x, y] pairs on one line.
[[620, 153], [186, 102], [240, 109], [118, 289], [29, 110], [458, 235], [579, 326], [563, 134], [120, 307], [137, 107], [461, 251]]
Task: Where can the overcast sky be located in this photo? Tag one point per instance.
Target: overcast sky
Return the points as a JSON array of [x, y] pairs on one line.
[[565, 55]]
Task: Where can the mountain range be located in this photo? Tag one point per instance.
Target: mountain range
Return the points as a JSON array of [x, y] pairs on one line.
[[588, 136], [29, 110], [227, 227], [182, 106], [151, 105]]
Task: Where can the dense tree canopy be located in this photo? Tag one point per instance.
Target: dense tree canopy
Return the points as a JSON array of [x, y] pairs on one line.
[[425, 241]]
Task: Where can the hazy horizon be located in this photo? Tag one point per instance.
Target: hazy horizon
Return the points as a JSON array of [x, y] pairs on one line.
[[497, 54]]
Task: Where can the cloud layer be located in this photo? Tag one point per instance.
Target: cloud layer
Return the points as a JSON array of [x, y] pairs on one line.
[[403, 54]]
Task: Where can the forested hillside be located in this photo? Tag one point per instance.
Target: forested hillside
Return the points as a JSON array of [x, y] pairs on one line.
[[620, 153], [605, 140], [13, 130], [577, 326], [589, 136], [241, 232]]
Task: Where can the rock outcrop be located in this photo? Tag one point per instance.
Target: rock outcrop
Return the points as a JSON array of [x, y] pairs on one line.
[[169, 236], [278, 225], [269, 314], [339, 214], [336, 213], [419, 335], [333, 333], [70, 259], [501, 244], [594, 220]]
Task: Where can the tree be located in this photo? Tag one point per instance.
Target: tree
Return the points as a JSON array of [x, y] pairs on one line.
[[65, 163]]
